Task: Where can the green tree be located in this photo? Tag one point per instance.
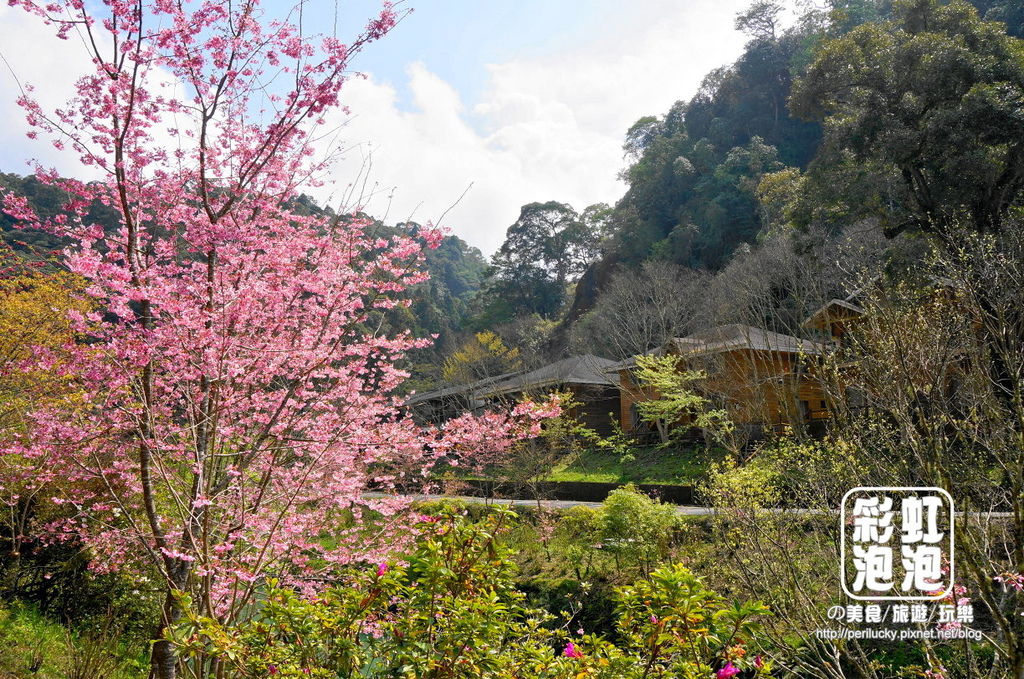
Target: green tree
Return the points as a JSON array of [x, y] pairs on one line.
[[927, 106], [761, 20], [636, 528], [639, 136], [674, 401], [545, 249], [693, 171], [728, 206], [483, 355], [1010, 12]]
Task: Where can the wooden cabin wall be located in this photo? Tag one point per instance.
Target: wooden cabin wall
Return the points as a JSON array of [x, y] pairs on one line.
[[598, 406], [768, 388], [629, 393], [754, 387]]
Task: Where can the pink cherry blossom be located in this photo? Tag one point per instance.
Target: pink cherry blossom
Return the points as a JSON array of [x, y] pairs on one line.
[[237, 396]]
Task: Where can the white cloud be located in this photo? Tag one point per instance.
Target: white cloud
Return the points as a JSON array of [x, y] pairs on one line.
[[552, 127], [30, 50], [545, 128], [431, 155]]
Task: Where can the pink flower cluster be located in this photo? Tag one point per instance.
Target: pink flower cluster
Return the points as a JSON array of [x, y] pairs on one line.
[[728, 671], [236, 396], [1011, 581]]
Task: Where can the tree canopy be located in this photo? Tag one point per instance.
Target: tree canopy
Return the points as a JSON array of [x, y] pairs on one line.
[[928, 105]]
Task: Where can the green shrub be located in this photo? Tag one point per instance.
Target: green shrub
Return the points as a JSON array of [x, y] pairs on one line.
[[34, 646], [453, 611], [57, 580], [636, 528]]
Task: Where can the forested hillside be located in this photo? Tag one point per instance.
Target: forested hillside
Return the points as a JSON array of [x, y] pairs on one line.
[[695, 173], [751, 202], [790, 175], [439, 306]]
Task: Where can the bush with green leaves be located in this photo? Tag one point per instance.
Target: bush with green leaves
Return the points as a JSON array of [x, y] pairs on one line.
[[678, 624], [676, 406], [627, 536], [635, 527], [36, 647], [450, 609]]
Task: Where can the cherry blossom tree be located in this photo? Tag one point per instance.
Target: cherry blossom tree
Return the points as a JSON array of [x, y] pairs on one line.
[[236, 399]]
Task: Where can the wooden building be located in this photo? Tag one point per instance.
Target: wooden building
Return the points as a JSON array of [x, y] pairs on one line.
[[761, 378], [440, 405], [586, 377], [833, 318]]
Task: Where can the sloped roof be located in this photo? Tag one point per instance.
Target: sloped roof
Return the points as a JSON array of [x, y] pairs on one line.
[[728, 338], [834, 308], [852, 305], [455, 390], [739, 336], [585, 369], [631, 361]]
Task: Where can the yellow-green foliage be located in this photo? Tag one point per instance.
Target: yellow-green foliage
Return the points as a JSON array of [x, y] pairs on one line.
[[778, 194], [34, 310], [674, 398], [34, 647], [751, 485], [482, 356], [637, 525], [628, 535], [806, 474]]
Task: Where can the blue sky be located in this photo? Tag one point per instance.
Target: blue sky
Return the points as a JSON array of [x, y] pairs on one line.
[[504, 101], [457, 38]]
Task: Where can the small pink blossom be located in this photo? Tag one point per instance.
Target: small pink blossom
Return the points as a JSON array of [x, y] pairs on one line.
[[176, 554], [253, 331], [728, 671], [571, 651]]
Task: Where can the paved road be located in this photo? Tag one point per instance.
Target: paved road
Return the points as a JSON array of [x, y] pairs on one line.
[[684, 510]]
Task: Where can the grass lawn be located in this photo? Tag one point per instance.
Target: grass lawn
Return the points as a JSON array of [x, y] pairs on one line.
[[35, 647], [650, 465]]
